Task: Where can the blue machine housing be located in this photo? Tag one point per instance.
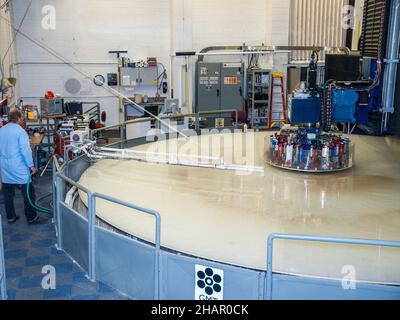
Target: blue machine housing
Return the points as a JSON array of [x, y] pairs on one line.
[[304, 110], [362, 114], [344, 105]]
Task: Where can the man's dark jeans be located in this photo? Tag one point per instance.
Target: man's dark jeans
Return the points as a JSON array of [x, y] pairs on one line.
[[9, 192]]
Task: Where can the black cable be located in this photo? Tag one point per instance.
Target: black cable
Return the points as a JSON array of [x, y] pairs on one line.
[[5, 4], [317, 58], [162, 76]]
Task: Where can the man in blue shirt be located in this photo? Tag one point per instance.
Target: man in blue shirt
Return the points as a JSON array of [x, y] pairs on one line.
[[16, 163]]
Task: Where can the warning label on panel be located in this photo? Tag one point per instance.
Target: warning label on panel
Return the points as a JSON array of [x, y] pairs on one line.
[[231, 80]]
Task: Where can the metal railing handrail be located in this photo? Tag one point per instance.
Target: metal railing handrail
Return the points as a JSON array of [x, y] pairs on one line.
[[337, 240], [92, 196], [3, 285], [117, 126], [186, 115], [58, 199], [72, 182], [157, 239], [163, 117], [216, 112]]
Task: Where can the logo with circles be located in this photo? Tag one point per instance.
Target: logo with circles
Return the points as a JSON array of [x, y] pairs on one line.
[[209, 283]]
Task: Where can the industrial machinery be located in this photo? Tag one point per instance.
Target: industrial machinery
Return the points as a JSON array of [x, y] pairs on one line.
[[310, 150], [355, 92], [219, 86], [79, 137], [171, 106], [304, 105], [71, 130], [342, 99], [379, 52], [258, 92], [312, 146], [50, 107], [343, 67], [73, 108], [172, 116]]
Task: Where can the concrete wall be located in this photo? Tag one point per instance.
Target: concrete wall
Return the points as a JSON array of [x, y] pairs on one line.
[[87, 29]]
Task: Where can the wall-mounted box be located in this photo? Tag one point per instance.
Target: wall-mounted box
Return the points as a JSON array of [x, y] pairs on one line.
[[137, 77], [51, 107]]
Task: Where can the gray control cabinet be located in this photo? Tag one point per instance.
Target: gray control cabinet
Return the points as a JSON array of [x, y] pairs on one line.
[[219, 86]]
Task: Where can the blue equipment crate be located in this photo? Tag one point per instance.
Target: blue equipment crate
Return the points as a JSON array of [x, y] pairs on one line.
[[344, 105], [304, 110]]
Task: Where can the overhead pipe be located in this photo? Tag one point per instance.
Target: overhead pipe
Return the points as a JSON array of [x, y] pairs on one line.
[[15, 64], [266, 49], [392, 60]]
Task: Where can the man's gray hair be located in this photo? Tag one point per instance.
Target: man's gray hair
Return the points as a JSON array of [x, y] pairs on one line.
[[14, 114]]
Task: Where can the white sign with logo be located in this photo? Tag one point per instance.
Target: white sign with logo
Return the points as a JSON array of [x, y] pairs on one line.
[[209, 283]]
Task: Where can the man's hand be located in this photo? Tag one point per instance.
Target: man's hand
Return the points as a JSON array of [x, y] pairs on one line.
[[33, 170]]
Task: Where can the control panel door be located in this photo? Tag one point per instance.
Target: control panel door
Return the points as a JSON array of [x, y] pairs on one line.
[[232, 86], [208, 86]]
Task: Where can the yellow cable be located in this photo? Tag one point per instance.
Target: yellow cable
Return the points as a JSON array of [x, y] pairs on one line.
[[358, 29], [119, 92], [187, 85]]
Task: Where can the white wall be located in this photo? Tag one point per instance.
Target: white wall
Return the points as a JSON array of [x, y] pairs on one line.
[[7, 47], [87, 29]]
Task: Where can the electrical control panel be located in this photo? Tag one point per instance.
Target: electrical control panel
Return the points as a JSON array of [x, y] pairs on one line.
[[138, 77], [219, 86]]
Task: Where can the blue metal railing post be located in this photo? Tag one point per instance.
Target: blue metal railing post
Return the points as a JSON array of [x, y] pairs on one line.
[[269, 267], [54, 169], [92, 235], [3, 285], [293, 237], [157, 269], [57, 207]]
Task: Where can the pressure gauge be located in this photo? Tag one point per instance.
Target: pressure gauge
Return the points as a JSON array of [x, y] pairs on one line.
[[99, 80]]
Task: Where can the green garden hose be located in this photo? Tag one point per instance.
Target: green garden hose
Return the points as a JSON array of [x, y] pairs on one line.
[[35, 205]]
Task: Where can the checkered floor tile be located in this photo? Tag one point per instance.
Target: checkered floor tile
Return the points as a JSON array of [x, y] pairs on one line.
[[30, 248]]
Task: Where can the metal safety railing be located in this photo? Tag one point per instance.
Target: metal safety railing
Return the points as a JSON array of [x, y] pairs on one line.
[[121, 127], [215, 112], [155, 214], [197, 116], [60, 202], [351, 241], [60, 178], [3, 286]]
